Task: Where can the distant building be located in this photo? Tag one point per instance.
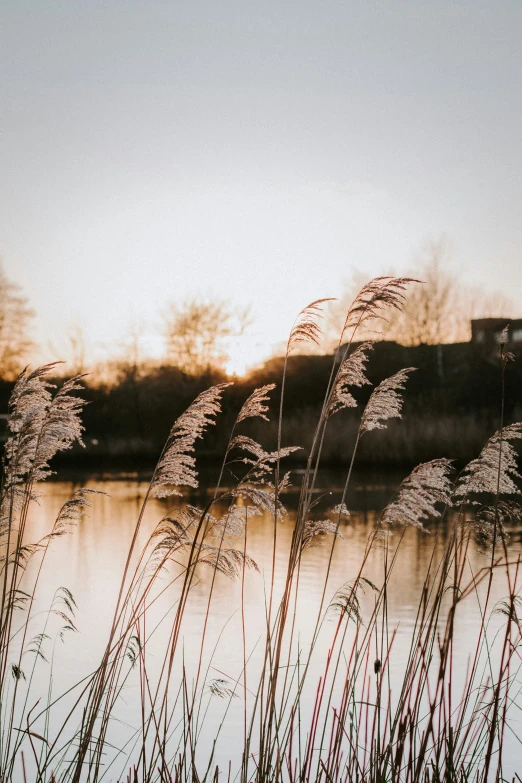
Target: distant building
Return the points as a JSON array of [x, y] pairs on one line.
[[486, 333]]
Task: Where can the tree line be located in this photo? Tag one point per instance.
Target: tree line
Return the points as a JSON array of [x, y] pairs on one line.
[[135, 403], [197, 332]]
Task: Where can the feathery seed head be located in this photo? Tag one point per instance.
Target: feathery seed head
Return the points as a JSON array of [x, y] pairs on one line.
[[176, 467], [346, 600], [490, 521], [229, 562], [306, 328], [72, 511], [233, 522], [316, 527], [40, 424], [427, 486], [496, 468], [375, 297], [245, 443], [385, 401], [255, 404], [264, 459], [261, 498], [350, 373]]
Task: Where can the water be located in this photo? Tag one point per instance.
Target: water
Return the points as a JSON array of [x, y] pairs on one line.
[[90, 561]]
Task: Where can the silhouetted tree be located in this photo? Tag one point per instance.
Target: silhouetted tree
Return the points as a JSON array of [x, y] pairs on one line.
[[197, 332], [431, 314], [72, 349], [15, 317], [437, 310]]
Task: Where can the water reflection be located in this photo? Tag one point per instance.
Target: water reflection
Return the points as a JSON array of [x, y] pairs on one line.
[[89, 562]]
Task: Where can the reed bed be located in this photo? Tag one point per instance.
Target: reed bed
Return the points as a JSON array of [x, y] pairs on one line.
[[436, 726]]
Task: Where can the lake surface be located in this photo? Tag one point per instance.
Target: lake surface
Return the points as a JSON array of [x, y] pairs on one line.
[[90, 561]]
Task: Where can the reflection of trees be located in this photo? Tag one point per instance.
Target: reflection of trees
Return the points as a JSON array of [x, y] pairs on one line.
[[197, 333], [15, 316]]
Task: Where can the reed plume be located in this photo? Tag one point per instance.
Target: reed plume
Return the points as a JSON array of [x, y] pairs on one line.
[[306, 327], [72, 511], [420, 496], [40, 425], [317, 527], [255, 406], [354, 727], [374, 298], [176, 467], [385, 402], [351, 373], [496, 467]]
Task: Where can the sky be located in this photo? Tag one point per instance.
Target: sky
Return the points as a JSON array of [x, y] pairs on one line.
[[257, 152]]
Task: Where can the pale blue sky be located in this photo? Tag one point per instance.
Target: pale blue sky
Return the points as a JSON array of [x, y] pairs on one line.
[[253, 150]]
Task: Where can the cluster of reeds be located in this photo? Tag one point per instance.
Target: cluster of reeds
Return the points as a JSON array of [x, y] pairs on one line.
[[357, 729]]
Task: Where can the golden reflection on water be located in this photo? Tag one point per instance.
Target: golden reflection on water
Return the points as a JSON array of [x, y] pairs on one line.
[[91, 559]]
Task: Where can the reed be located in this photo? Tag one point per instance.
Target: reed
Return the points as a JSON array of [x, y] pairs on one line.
[[434, 727]]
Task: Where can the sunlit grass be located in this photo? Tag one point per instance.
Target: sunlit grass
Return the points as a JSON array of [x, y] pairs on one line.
[[350, 725]]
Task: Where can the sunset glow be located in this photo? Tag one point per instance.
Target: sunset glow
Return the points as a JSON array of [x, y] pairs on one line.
[[152, 152]]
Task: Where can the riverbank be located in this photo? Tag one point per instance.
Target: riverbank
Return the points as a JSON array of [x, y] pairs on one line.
[[452, 406]]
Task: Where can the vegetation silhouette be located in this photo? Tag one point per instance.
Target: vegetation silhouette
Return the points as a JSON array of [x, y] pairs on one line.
[[437, 727]]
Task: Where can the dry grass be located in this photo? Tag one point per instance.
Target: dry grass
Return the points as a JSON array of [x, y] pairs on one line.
[[435, 728]]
